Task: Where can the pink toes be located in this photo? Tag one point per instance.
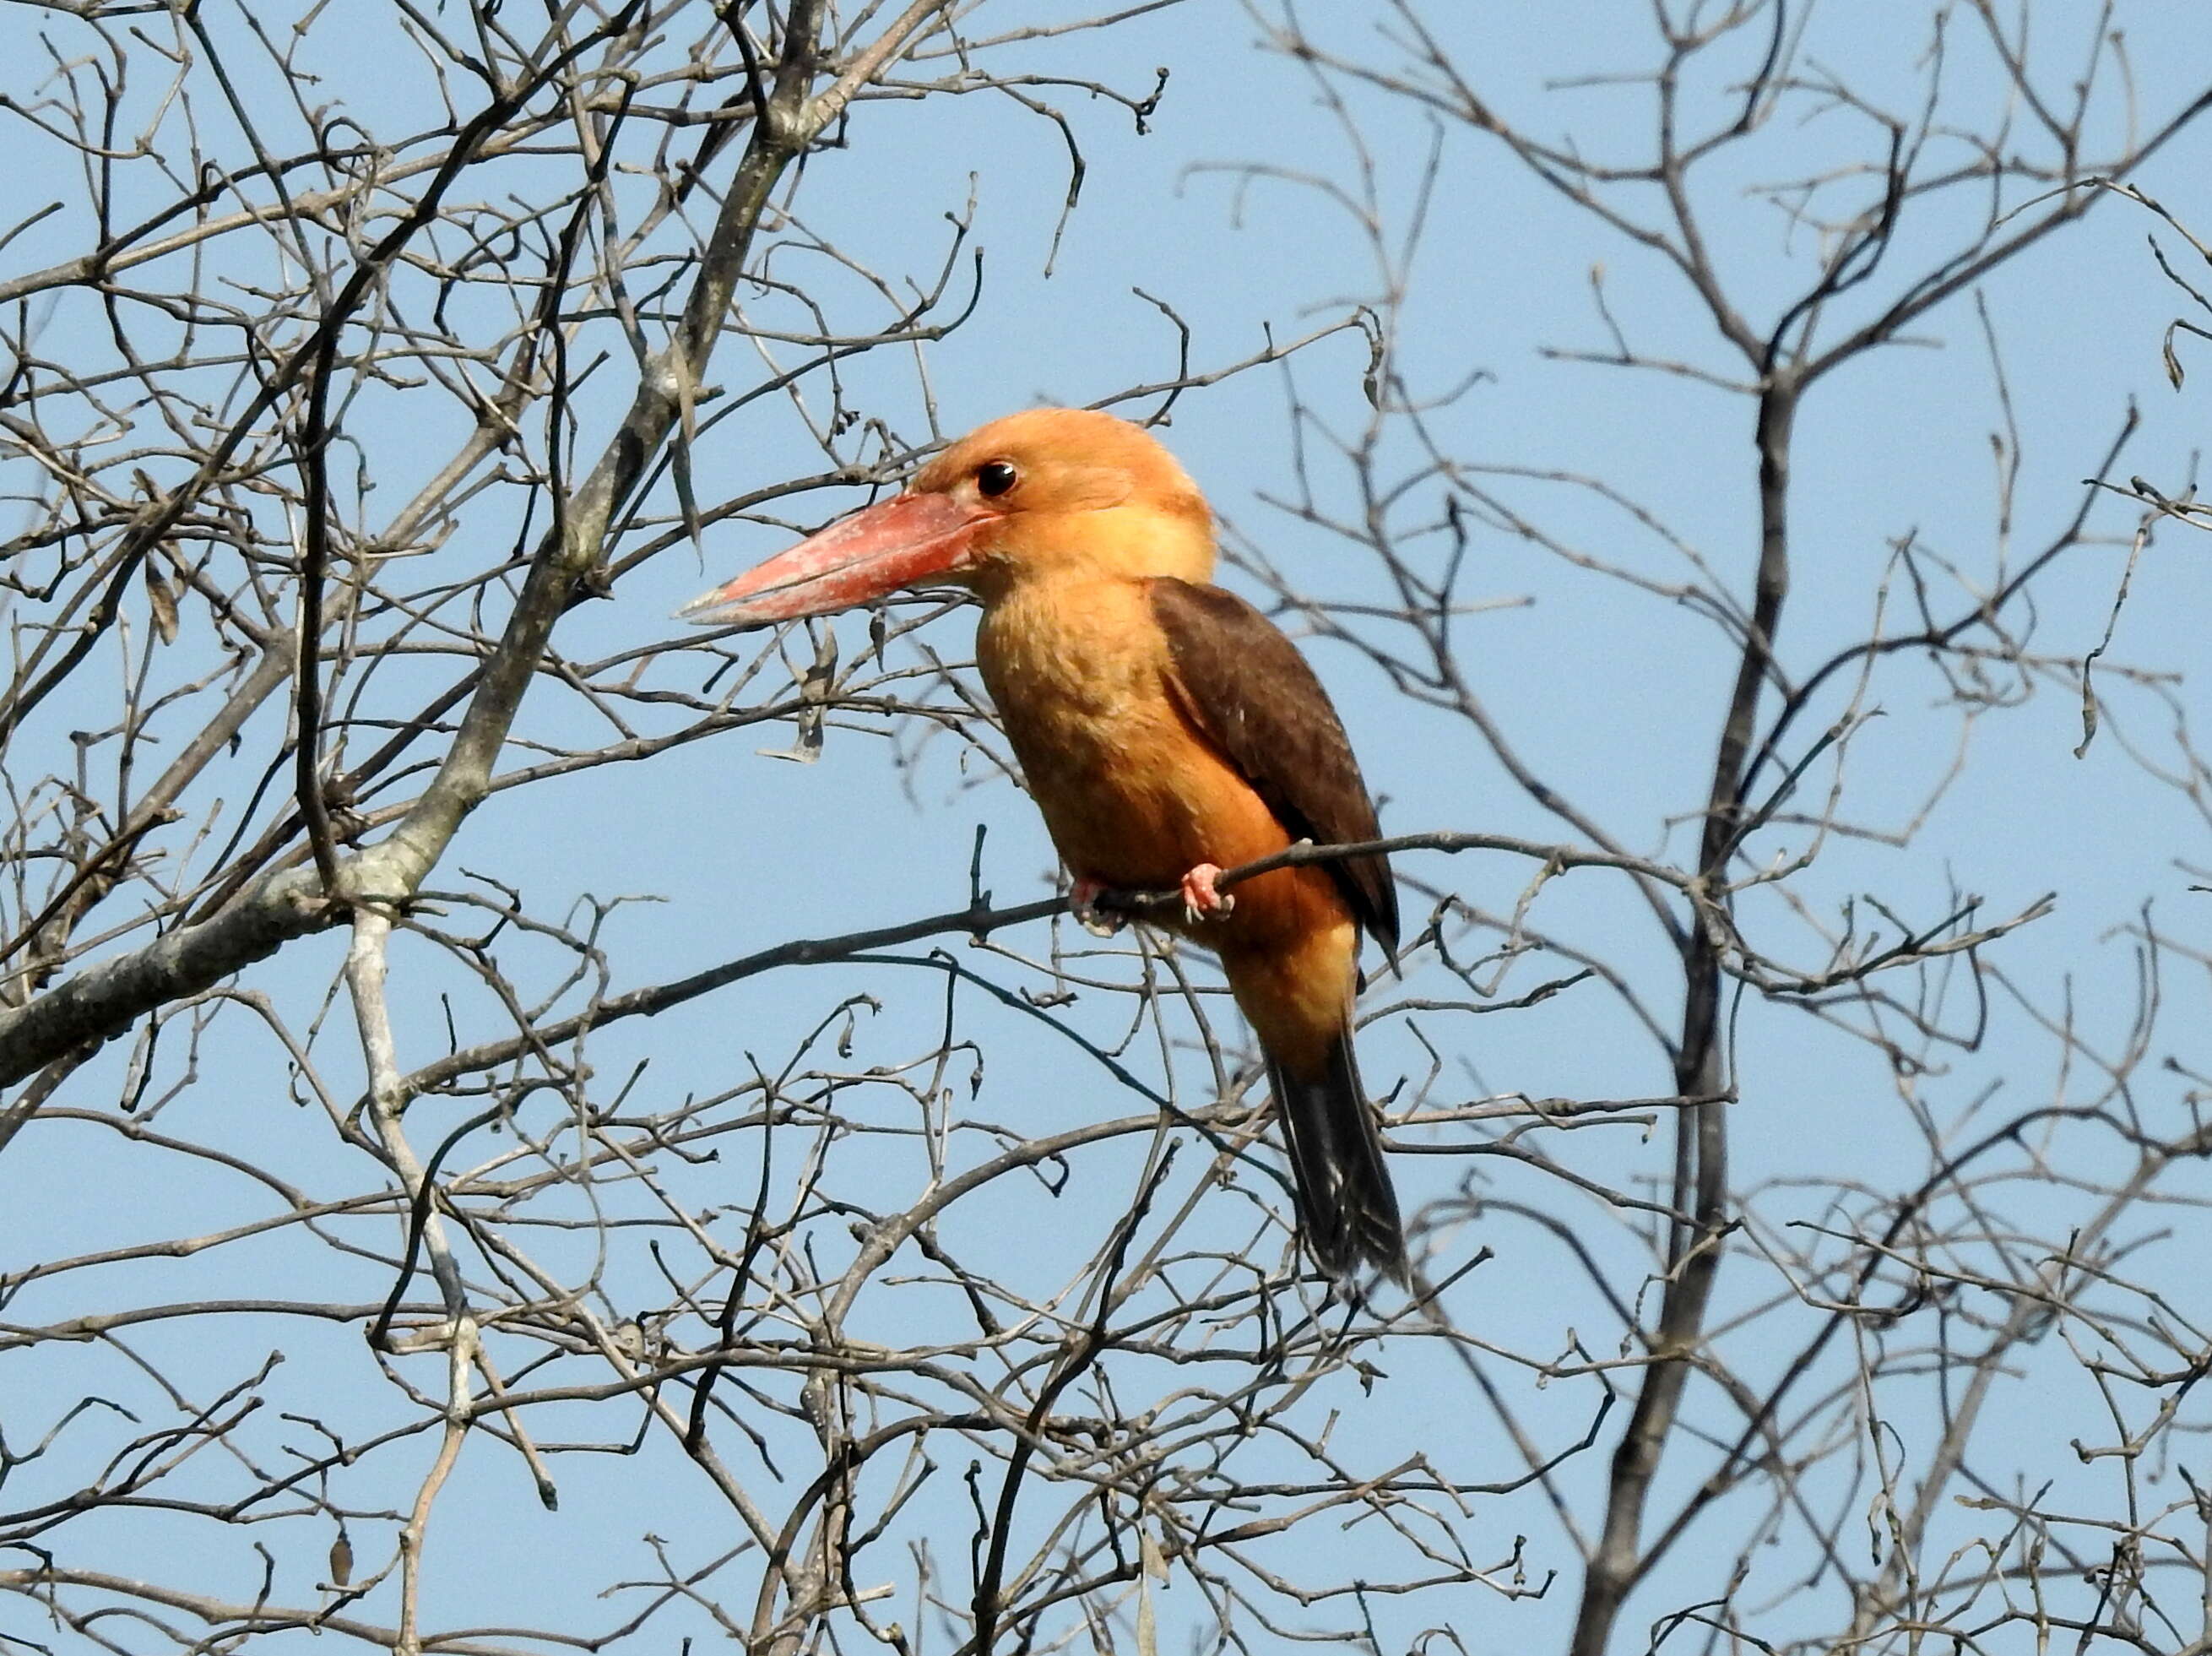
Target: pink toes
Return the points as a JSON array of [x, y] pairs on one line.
[[1201, 901], [1083, 902]]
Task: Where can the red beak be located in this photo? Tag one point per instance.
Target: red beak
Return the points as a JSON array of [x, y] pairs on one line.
[[900, 542]]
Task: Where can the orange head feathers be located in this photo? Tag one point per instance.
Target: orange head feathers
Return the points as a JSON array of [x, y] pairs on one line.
[[1049, 491]]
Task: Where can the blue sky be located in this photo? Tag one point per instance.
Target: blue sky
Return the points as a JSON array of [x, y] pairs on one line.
[[1614, 694]]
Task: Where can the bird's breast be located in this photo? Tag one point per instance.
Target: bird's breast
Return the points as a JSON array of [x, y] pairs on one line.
[[1131, 796]]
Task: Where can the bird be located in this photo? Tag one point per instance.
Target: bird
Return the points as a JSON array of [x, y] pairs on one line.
[[1167, 731]]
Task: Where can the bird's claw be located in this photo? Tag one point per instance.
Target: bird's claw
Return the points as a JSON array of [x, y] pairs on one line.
[[1083, 904], [1201, 901]]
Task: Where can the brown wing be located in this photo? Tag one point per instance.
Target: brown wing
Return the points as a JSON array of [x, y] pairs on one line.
[[1247, 690]]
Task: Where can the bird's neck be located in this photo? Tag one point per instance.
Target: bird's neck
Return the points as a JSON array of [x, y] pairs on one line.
[[1062, 555], [1068, 637]]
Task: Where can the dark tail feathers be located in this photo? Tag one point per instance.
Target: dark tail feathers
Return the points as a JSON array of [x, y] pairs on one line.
[[1346, 1207]]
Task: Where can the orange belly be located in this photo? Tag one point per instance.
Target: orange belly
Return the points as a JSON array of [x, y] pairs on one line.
[[1134, 798]]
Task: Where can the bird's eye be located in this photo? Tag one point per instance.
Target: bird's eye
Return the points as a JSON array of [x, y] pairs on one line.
[[995, 477]]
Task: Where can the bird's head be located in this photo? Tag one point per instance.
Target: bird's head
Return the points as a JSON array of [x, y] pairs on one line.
[[1051, 491]]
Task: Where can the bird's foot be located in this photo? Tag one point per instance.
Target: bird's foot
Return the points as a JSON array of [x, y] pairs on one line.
[[1083, 903], [1201, 901]]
